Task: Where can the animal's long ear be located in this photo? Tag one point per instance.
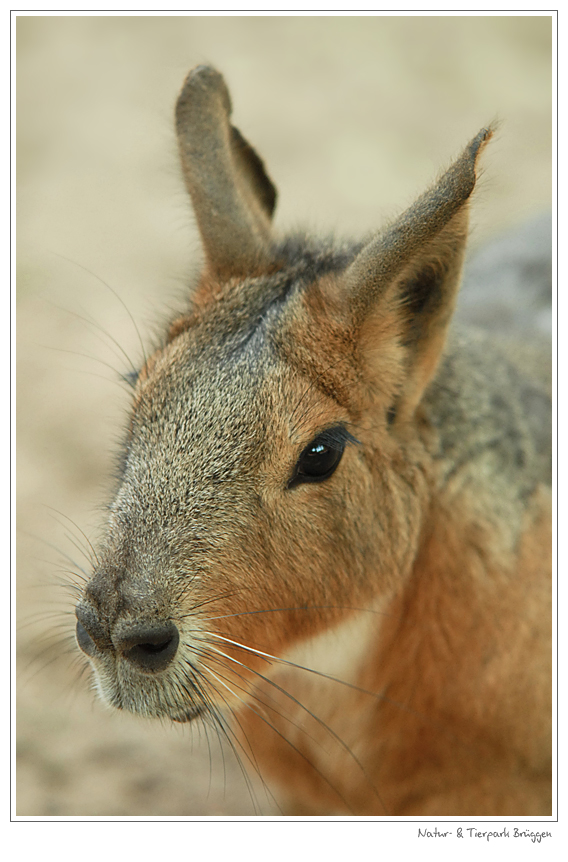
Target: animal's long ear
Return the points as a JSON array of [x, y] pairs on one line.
[[232, 196], [402, 286]]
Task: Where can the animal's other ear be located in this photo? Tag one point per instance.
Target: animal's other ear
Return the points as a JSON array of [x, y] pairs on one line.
[[232, 196], [402, 286]]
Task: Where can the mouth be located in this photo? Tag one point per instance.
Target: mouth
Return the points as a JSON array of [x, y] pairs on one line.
[[152, 668], [150, 695], [193, 714]]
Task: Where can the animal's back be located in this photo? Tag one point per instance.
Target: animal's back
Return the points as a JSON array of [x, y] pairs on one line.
[[491, 396]]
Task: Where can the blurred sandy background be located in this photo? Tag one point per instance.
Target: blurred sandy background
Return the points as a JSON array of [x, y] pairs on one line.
[[354, 117]]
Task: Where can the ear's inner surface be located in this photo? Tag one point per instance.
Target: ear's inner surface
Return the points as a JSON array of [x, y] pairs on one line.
[[256, 184]]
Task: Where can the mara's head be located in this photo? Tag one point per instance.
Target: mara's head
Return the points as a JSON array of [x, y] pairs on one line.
[[271, 476]]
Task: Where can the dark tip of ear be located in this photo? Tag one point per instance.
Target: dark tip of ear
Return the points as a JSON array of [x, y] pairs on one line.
[[206, 78], [391, 415], [482, 137]]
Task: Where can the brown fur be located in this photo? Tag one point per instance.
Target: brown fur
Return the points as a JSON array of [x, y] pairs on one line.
[[383, 632]]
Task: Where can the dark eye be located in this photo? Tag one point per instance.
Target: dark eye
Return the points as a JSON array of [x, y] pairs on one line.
[[320, 459]]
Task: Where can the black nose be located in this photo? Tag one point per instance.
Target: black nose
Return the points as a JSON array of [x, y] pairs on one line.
[[149, 646]]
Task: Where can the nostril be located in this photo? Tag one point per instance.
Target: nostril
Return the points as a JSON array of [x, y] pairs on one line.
[[91, 636], [84, 639], [149, 646]]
